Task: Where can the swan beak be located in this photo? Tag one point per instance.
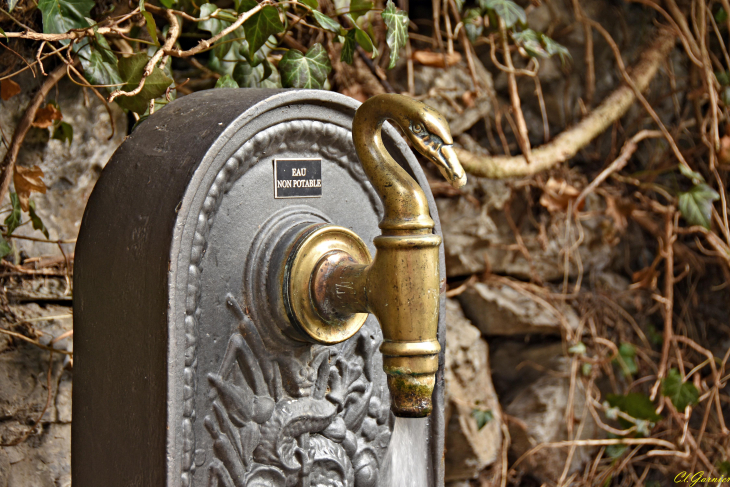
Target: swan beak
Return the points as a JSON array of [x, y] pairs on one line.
[[450, 166]]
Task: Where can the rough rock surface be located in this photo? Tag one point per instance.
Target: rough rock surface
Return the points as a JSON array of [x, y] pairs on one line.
[[539, 416], [468, 387], [70, 170], [43, 458], [478, 235], [501, 310], [450, 91]]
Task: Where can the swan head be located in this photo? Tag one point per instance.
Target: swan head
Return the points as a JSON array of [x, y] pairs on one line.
[[429, 133]]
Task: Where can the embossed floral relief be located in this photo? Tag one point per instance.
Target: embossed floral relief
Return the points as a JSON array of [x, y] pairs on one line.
[[319, 418]]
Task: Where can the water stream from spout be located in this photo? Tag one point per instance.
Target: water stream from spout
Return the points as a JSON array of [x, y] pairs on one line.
[[406, 462]]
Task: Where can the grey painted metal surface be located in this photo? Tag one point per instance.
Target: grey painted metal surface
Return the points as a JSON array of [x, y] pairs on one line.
[[184, 373]]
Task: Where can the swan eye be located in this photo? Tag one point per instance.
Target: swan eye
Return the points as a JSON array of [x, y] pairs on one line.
[[418, 129]]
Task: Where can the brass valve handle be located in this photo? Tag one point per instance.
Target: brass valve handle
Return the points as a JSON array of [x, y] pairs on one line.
[[331, 282]]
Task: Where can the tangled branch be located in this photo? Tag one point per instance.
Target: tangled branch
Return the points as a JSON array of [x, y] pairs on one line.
[[569, 142]]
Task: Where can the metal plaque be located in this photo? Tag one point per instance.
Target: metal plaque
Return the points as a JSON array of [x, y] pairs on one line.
[[297, 178]]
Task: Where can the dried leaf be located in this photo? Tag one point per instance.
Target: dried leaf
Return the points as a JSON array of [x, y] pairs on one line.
[[616, 213], [27, 180], [723, 156], [558, 194], [8, 89], [45, 116], [436, 59], [645, 278], [355, 91], [468, 99]]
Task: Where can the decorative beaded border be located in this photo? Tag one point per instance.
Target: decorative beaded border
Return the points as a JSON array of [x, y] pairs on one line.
[[306, 136]]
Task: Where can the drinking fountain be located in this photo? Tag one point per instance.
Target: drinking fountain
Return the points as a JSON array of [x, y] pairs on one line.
[[259, 280]]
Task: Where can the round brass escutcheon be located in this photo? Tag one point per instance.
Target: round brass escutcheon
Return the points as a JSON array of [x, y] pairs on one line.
[[313, 248]]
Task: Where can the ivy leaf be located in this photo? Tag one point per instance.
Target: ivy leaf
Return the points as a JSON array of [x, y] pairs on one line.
[[482, 416], [616, 451], [626, 359], [473, 23], [681, 393], [366, 42], [260, 27], [212, 25], [397, 23], [226, 82], [12, 4], [249, 76], [348, 47], [636, 405], [149, 23], [226, 15], [36, 220], [693, 175], [168, 3], [529, 40], [99, 62], [509, 11], [586, 369], [64, 132], [5, 248], [313, 4], [131, 69], [696, 204], [554, 48], [721, 16], [3, 33], [358, 8], [60, 16], [13, 220], [327, 23], [578, 349], [305, 71]]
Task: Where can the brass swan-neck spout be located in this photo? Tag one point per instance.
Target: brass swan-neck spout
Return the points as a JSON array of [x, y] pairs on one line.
[[405, 204], [331, 283]]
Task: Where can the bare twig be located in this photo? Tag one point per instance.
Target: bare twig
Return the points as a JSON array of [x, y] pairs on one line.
[[523, 138], [33, 342], [668, 301], [467, 47], [626, 152], [66, 36]]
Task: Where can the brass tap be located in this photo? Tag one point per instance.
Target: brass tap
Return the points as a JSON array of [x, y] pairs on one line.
[[331, 283]]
